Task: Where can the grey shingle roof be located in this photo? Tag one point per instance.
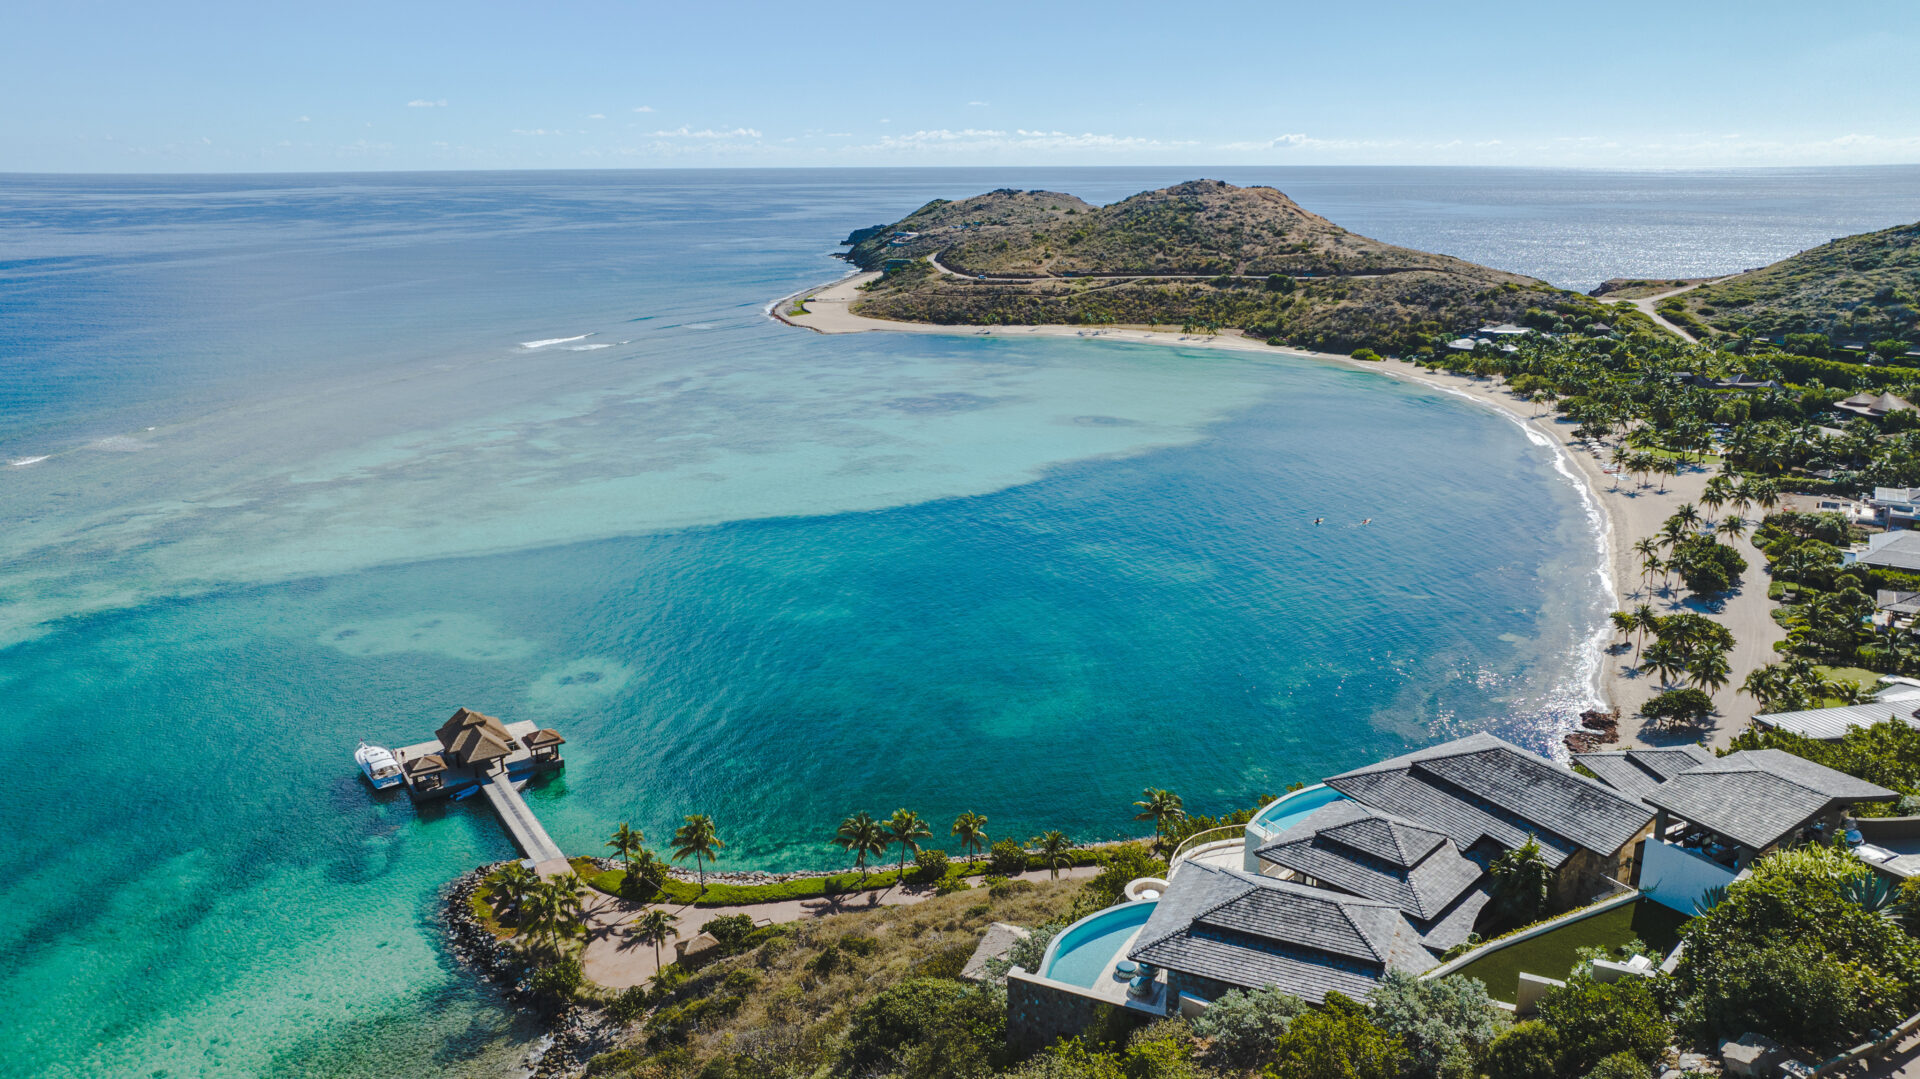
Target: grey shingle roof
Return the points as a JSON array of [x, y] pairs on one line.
[[1456, 925], [1354, 848], [1900, 550], [1634, 772], [1759, 796], [1481, 785], [1252, 931], [1827, 724]]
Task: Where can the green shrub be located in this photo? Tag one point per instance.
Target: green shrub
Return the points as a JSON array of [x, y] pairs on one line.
[[1337, 1041], [629, 1005], [1366, 354], [1788, 952], [1688, 705], [559, 981], [1245, 1025], [929, 866], [1446, 1024], [1595, 1020], [935, 1016], [1007, 859], [1619, 1066], [1528, 1050], [730, 931]]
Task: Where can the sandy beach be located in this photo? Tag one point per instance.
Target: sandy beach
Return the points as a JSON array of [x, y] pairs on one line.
[[1629, 512]]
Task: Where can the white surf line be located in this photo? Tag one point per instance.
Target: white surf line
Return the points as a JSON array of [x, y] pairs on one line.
[[554, 341]]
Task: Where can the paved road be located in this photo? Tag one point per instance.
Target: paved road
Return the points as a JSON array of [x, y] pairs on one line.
[[1645, 304]]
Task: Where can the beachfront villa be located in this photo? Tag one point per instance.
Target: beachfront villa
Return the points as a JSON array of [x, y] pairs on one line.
[[1386, 868]]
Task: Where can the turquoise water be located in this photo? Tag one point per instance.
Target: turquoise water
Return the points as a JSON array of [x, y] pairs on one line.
[[294, 461], [1086, 948]]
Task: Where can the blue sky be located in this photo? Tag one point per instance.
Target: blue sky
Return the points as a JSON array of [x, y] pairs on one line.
[[144, 87]]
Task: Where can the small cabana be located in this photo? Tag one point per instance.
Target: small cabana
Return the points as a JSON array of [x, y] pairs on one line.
[[545, 744], [426, 773]]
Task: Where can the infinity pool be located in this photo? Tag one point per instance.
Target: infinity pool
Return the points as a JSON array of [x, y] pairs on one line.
[[1292, 809], [1083, 951]]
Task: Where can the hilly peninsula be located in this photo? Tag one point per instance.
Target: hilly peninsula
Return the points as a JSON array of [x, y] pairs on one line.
[[1198, 255], [1858, 290]]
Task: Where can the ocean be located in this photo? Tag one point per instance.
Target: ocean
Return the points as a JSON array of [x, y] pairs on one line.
[[290, 461]]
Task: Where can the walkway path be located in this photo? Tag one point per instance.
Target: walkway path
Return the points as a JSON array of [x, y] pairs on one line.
[[616, 959], [523, 826], [1646, 306]]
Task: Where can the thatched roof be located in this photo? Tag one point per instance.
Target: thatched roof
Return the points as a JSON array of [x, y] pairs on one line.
[[544, 737], [475, 738], [427, 765]]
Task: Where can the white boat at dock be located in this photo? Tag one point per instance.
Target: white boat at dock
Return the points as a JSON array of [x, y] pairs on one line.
[[377, 763]]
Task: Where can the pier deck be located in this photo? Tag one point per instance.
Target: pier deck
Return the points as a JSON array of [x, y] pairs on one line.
[[523, 826]]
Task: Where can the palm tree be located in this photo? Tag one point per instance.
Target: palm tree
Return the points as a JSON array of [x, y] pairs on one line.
[[655, 927], [1522, 879], [1163, 807], [1663, 659], [861, 836], [696, 839], [1709, 669], [1687, 515], [554, 908], [512, 887], [1056, 850], [1648, 549], [1622, 623], [1731, 527], [1645, 621], [971, 829], [628, 842], [906, 829]]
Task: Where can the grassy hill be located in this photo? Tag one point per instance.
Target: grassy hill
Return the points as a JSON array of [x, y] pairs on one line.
[[1858, 289], [1199, 254]]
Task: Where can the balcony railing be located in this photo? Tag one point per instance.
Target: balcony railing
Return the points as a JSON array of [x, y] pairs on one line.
[[1197, 840]]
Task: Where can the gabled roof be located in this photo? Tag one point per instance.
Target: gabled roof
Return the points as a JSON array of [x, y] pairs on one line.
[[474, 738], [1759, 797], [1634, 772], [544, 737], [1481, 786], [1255, 931], [1352, 848]]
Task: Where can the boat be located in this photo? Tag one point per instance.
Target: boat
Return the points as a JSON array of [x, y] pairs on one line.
[[378, 765]]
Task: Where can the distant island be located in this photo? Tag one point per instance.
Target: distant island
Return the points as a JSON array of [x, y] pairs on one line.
[[1199, 255]]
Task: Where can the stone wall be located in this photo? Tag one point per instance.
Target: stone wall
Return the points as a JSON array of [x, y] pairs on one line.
[[1040, 1011]]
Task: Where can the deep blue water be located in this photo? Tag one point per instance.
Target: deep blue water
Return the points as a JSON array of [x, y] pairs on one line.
[[318, 458]]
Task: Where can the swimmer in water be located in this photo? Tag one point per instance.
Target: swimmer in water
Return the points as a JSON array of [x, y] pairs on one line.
[[1317, 520], [1368, 521]]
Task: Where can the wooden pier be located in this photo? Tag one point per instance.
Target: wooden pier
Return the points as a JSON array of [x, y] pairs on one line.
[[524, 827], [474, 752]]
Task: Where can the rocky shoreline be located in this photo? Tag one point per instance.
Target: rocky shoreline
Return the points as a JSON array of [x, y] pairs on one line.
[[575, 1034]]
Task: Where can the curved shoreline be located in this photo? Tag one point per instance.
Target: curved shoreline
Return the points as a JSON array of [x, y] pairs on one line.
[[1620, 516]]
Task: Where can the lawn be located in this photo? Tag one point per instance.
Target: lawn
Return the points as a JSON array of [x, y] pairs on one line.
[[1861, 675], [1551, 955]]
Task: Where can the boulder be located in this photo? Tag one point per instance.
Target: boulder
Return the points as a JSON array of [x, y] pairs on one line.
[[1754, 1055]]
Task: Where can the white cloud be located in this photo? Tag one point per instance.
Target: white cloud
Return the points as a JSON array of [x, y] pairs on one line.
[[544, 131], [984, 139], [643, 108], [597, 116], [304, 120], [976, 104], [684, 132], [423, 103]]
